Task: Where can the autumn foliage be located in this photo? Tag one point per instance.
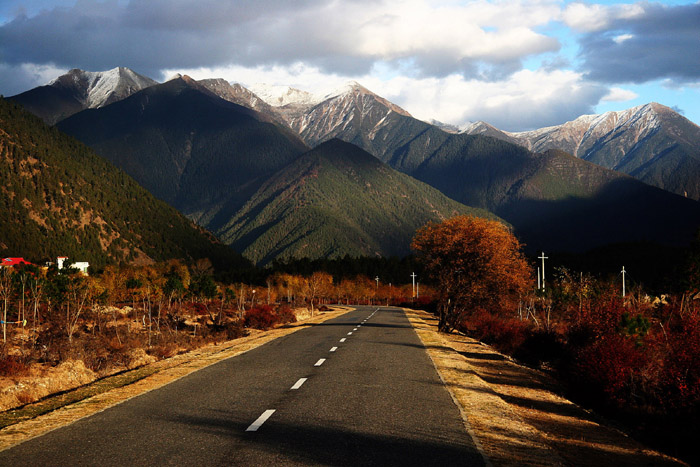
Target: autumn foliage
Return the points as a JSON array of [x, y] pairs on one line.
[[475, 263]]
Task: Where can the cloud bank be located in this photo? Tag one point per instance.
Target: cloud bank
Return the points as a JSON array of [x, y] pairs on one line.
[[451, 60]]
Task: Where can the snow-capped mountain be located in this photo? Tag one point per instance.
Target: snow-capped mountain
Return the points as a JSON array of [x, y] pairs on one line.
[[240, 95], [348, 113], [651, 142], [78, 90], [280, 96], [95, 89]]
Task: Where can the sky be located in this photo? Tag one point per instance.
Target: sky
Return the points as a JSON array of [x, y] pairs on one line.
[[517, 65]]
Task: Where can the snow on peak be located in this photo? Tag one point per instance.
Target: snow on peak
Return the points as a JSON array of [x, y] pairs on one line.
[[279, 96], [350, 87], [98, 88]]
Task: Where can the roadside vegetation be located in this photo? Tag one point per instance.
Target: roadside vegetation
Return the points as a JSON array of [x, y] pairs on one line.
[[635, 358], [62, 329]]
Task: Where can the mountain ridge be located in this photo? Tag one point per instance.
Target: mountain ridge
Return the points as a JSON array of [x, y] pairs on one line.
[[336, 200], [198, 152], [650, 142], [78, 90]]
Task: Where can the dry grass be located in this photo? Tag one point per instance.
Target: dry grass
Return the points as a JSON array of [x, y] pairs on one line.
[[42, 381], [515, 414], [38, 418]]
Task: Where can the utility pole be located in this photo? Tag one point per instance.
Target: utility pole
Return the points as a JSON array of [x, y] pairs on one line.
[[377, 279], [543, 257], [413, 276], [623, 281], [539, 281]]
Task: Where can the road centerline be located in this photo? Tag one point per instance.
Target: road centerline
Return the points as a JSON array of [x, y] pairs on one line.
[[320, 362], [298, 384], [260, 420]]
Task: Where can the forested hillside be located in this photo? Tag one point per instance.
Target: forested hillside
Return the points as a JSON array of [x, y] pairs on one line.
[[60, 198], [203, 155], [335, 200]]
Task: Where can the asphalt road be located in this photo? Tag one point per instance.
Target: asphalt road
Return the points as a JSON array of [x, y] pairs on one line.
[[356, 390]]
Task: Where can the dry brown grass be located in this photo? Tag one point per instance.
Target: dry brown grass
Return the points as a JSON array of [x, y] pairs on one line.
[[515, 413], [36, 419], [42, 381]]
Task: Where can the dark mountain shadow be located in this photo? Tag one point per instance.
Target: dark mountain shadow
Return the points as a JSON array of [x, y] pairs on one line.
[[623, 211]]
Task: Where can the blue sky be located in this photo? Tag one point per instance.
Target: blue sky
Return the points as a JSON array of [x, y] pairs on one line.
[[516, 64]]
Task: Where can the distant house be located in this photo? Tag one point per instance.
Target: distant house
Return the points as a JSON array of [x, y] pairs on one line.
[[81, 266], [12, 262]]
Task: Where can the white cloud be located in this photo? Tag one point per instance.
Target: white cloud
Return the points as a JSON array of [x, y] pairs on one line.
[[586, 17], [524, 100], [15, 79], [620, 95], [438, 38], [622, 38]]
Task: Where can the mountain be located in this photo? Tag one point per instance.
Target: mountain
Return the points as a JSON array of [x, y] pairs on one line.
[[244, 97], [553, 200], [200, 153], [335, 200], [352, 113], [78, 90], [59, 198], [651, 142]]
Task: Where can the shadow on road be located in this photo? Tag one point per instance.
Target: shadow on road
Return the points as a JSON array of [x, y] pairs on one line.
[[289, 444]]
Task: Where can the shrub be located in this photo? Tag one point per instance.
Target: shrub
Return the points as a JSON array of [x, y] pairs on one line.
[[260, 317], [680, 379], [11, 365], [609, 368], [286, 315], [540, 346], [506, 335]]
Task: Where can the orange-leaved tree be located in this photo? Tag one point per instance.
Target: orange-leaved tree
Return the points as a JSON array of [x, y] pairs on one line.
[[474, 263]]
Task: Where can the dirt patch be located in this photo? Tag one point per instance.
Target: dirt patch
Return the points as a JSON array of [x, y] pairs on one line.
[[38, 418], [516, 415]]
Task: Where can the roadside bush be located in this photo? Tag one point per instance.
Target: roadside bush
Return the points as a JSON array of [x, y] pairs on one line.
[[286, 315], [540, 346], [608, 369], [504, 334], [260, 317], [12, 365], [680, 379]]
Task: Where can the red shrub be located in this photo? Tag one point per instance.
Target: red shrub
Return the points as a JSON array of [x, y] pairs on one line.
[[11, 365], [506, 335], [200, 309], [260, 317], [681, 369], [286, 315], [609, 367]]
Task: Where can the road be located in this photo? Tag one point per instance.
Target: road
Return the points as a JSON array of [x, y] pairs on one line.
[[359, 389]]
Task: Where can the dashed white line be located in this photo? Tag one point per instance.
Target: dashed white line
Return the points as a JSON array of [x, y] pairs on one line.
[[320, 362], [350, 333], [298, 384], [261, 419], [355, 329], [333, 349], [342, 340]]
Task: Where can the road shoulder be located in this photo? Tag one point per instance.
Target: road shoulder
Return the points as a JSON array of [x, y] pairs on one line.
[[514, 413], [157, 375]]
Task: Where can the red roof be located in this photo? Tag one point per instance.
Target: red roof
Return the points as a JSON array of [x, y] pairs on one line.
[[9, 262]]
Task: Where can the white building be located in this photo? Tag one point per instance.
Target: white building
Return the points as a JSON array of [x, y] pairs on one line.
[[81, 266]]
